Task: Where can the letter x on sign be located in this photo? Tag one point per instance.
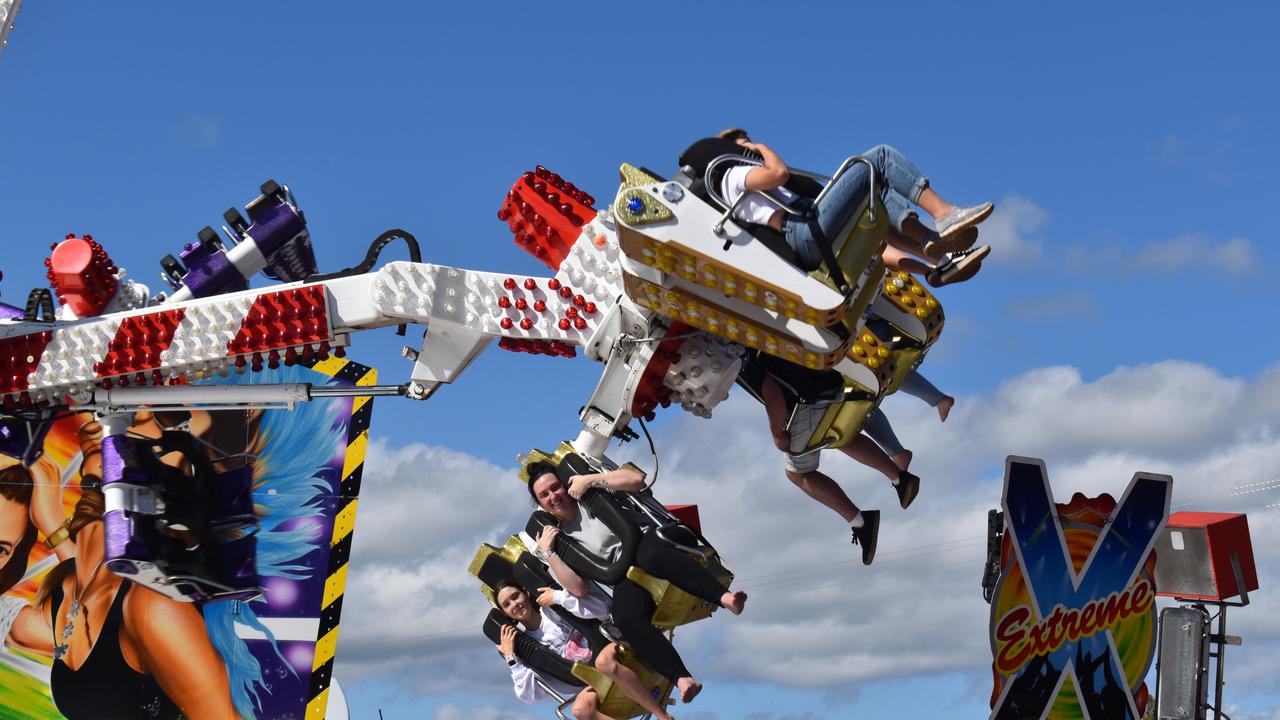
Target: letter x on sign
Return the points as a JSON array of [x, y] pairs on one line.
[[1122, 547]]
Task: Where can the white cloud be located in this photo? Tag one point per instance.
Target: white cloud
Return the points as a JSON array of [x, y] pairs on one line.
[[1010, 231], [1191, 251], [817, 618]]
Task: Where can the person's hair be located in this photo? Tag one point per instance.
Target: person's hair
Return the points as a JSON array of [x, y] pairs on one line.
[[732, 134], [89, 509], [503, 585], [535, 470], [16, 485]]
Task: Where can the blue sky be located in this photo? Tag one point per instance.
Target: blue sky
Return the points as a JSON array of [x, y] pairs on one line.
[[1131, 151]]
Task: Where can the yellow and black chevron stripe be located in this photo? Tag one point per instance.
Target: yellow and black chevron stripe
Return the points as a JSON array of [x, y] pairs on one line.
[[344, 522]]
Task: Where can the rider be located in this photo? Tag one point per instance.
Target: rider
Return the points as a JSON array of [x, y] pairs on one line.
[[603, 546], [795, 399], [901, 185], [545, 625]]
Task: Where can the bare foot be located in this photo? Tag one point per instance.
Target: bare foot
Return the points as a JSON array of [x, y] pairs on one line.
[[734, 601], [944, 408], [902, 459], [689, 689]]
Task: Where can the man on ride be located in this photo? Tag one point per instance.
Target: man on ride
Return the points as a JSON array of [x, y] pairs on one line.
[[901, 185]]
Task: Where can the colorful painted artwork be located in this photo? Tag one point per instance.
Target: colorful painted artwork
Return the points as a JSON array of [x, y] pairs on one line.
[[1073, 615], [82, 642]]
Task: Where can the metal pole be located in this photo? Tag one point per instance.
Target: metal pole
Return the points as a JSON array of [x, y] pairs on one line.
[[1221, 640]]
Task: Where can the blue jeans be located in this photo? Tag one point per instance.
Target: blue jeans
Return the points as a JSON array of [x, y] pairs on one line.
[[877, 425], [898, 182]]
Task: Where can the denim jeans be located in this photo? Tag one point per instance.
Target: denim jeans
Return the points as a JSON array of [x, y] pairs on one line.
[[877, 425], [898, 182]]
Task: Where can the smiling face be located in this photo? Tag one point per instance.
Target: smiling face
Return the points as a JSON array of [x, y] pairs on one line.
[[515, 604], [552, 497]]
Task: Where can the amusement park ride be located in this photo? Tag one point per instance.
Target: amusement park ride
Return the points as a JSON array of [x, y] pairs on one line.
[[660, 286]]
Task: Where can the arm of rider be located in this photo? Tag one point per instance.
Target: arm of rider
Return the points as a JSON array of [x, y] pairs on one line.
[[774, 173], [46, 507], [571, 581], [627, 478], [589, 606], [775, 406], [523, 679]]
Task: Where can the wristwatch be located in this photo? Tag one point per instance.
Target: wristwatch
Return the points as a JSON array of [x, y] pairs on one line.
[[543, 555], [511, 659]]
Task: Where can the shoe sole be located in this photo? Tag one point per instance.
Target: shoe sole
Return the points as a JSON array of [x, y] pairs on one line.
[[951, 231], [906, 500], [869, 557], [965, 269], [955, 243]]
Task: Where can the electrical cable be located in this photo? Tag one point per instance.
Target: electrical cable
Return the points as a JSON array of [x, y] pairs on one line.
[[371, 258]]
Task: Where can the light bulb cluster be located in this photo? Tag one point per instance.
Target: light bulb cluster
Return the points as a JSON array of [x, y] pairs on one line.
[[908, 295], [700, 378], [167, 345], [673, 259], [546, 213], [82, 275], [693, 310]]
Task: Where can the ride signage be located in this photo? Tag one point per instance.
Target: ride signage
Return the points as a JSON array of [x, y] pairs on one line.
[[1073, 615]]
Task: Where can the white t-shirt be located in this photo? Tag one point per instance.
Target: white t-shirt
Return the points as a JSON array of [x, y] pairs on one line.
[[754, 209], [561, 638]]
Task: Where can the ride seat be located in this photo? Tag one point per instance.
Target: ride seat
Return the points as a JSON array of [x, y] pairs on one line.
[[628, 515], [491, 565], [191, 537]]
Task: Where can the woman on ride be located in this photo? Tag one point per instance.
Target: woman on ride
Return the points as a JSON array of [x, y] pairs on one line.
[[633, 606], [545, 625]]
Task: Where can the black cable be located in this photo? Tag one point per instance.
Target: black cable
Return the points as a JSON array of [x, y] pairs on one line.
[[652, 451], [371, 257]]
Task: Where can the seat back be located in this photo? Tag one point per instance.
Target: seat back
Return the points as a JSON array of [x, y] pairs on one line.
[[493, 564], [190, 536], [718, 276]]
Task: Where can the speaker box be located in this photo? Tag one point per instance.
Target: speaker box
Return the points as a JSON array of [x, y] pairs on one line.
[[1193, 556]]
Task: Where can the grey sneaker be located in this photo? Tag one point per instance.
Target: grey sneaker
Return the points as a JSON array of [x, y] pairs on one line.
[[959, 267], [961, 218]]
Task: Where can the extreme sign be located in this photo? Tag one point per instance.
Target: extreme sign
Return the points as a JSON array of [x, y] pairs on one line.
[[1073, 616]]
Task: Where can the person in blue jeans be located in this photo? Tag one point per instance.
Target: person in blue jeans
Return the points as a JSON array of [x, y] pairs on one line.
[[901, 185], [881, 431]]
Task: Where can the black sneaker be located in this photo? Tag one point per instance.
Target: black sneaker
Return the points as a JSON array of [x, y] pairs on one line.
[[867, 534], [959, 267], [908, 487]]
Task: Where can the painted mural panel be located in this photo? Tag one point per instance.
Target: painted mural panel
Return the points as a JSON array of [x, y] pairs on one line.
[[79, 641]]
